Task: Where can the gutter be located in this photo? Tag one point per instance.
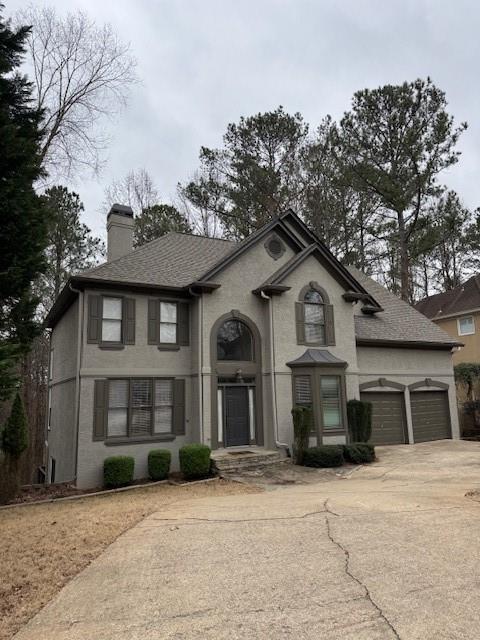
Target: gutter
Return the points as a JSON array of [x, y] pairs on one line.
[[280, 445]]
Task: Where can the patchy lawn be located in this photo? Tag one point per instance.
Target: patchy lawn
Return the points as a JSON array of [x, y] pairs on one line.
[[45, 545]]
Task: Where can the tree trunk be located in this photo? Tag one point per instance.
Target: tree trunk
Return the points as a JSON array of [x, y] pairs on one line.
[[404, 258]]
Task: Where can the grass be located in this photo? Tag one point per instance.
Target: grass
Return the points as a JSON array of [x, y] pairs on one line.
[[45, 545]]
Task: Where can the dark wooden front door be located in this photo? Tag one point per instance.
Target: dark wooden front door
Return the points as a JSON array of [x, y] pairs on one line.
[[237, 427]]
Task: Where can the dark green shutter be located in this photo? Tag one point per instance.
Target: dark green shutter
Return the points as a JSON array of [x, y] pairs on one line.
[[183, 320], [153, 321], [300, 323], [179, 407], [94, 327], [129, 321], [100, 409], [329, 325]]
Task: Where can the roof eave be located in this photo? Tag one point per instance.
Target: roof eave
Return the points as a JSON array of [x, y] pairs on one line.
[[407, 344]]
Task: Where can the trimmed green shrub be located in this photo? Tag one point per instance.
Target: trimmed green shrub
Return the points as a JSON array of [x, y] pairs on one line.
[[326, 455], [195, 461], [159, 463], [359, 416], [302, 426], [118, 471], [359, 452]]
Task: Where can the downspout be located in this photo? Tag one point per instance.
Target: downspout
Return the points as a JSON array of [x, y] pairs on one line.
[[200, 361], [46, 459], [81, 300], [280, 445]]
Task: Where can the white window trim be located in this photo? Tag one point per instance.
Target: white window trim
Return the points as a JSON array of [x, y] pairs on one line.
[[465, 333]]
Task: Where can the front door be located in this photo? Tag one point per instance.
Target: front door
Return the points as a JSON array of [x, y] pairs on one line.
[[237, 427]]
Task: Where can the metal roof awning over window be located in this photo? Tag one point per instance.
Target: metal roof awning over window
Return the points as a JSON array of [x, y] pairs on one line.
[[319, 358]]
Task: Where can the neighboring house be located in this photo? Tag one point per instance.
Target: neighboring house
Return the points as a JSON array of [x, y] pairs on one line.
[[193, 339], [458, 313]]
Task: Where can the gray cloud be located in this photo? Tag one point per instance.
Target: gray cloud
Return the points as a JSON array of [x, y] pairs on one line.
[[206, 63]]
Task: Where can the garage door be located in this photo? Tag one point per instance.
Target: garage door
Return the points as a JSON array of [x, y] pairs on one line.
[[389, 425], [430, 415]]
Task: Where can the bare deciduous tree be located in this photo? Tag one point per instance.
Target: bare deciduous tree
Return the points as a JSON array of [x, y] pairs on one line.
[[81, 73], [136, 189]]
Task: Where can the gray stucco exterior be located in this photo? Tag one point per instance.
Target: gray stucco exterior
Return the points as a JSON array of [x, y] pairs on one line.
[[272, 316]]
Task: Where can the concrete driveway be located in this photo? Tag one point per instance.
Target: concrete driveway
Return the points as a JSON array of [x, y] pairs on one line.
[[392, 551]]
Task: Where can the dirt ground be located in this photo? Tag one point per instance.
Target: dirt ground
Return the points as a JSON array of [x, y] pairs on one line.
[[45, 545]]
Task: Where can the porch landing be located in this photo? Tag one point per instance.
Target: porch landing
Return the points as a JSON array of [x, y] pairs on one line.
[[236, 459]]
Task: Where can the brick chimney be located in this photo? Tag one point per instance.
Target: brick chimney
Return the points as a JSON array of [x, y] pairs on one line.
[[119, 231]]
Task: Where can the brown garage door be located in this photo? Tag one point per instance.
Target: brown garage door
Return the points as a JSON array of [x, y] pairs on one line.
[[430, 415], [389, 425]]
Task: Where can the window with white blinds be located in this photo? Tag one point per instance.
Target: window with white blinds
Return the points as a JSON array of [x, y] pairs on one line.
[[139, 407], [117, 424], [163, 406], [331, 402], [303, 391]]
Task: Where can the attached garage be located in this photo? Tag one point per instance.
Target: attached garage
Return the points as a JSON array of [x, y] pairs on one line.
[[389, 422], [430, 415]]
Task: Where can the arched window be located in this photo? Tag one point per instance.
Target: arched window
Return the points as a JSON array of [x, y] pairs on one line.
[[234, 341], [314, 317]]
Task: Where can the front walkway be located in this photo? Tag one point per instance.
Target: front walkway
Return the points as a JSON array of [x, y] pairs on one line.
[[391, 551]]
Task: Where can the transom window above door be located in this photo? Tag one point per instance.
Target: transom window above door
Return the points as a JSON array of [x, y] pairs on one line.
[[234, 341]]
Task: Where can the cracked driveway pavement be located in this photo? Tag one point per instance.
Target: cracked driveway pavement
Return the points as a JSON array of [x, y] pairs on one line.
[[392, 551]]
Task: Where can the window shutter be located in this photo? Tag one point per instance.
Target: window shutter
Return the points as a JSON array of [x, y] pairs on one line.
[[100, 409], [299, 319], [183, 320], [153, 321], [179, 407], [94, 328], [129, 321], [329, 325]]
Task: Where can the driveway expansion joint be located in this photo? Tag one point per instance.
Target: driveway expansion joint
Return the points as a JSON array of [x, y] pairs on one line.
[[351, 575]]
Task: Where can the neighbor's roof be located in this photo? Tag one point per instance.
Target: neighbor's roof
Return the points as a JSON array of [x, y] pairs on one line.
[[398, 322], [465, 297], [174, 260]]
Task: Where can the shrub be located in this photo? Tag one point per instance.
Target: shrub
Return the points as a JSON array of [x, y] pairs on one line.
[[302, 426], [195, 461], [327, 455], [159, 463], [359, 415], [13, 442], [359, 452], [118, 471]]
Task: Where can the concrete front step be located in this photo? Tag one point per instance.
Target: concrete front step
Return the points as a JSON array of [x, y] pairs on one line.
[[230, 461]]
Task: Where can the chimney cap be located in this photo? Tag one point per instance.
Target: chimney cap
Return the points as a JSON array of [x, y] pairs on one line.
[[121, 209]]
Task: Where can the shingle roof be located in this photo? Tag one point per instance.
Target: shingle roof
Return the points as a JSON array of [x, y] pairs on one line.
[[398, 322], [174, 260], [465, 297]]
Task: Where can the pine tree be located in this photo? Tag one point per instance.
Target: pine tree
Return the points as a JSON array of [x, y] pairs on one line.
[[23, 228], [157, 221], [14, 434]]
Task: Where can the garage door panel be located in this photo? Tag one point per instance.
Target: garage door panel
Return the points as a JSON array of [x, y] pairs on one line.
[[430, 415], [388, 417]]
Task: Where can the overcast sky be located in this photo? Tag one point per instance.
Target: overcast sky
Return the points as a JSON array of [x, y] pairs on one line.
[[205, 63]]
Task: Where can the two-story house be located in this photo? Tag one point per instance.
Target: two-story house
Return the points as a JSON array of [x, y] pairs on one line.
[[457, 312], [194, 339]]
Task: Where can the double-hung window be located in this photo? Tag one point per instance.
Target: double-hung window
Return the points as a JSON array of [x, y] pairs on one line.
[[112, 320], [168, 322], [466, 326]]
